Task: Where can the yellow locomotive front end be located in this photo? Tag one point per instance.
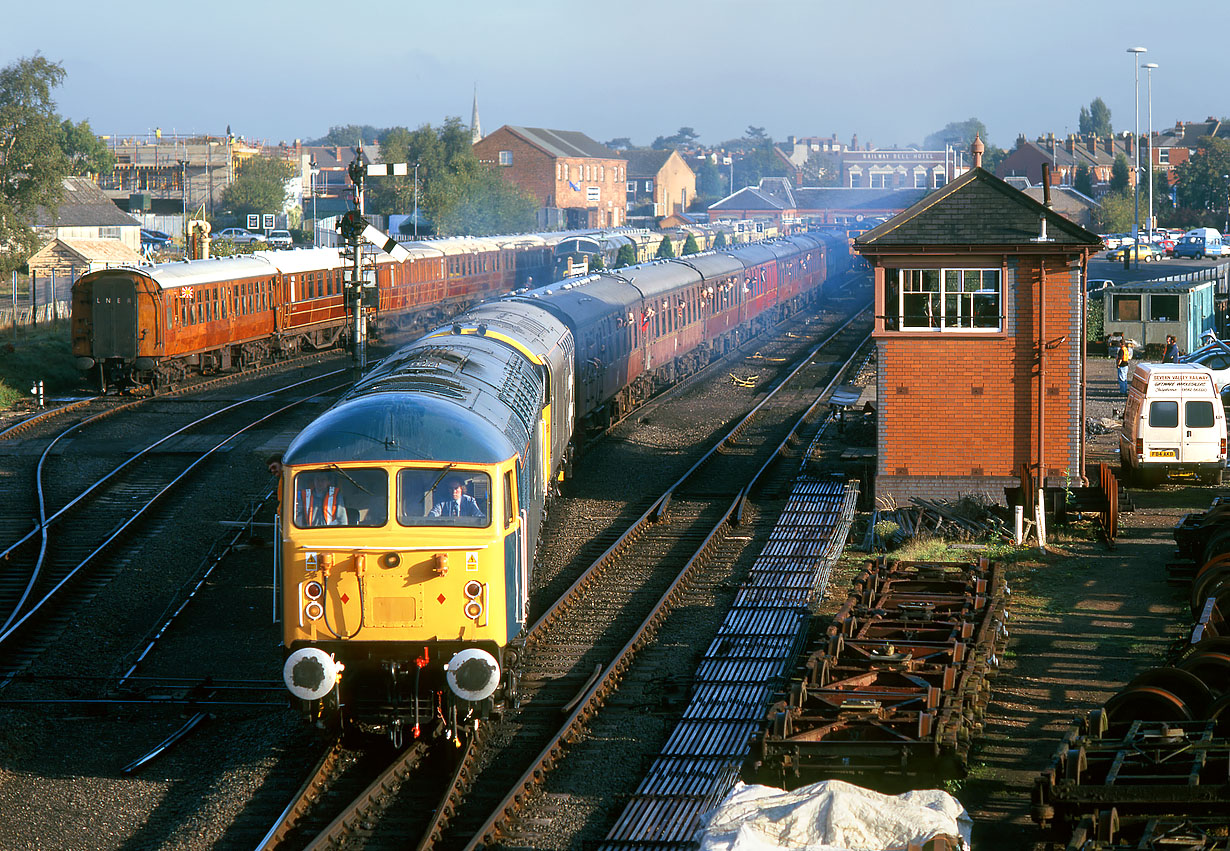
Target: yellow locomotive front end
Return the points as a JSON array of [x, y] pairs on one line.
[[397, 598], [407, 521]]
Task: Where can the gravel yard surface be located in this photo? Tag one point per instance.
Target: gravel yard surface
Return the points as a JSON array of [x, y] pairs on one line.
[[1085, 620]]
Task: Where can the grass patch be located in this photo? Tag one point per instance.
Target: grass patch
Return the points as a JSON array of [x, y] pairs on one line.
[[42, 353]]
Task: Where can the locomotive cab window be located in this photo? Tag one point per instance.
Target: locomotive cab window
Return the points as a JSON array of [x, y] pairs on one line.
[[341, 497], [443, 497]]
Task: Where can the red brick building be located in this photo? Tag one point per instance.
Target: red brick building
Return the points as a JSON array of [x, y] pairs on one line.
[[979, 330], [578, 182]]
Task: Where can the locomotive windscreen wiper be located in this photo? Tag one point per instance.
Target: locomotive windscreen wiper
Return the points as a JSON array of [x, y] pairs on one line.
[[450, 465], [350, 479]]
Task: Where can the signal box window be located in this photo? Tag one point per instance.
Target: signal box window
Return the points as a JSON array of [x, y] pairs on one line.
[[341, 497], [443, 497], [948, 300]]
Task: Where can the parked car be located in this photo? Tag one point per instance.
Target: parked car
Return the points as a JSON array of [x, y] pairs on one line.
[[1141, 252], [154, 239], [1095, 286], [1215, 358], [280, 239], [240, 236]]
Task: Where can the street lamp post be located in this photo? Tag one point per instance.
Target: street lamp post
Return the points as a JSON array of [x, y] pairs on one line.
[[416, 202], [1149, 66], [1136, 156]]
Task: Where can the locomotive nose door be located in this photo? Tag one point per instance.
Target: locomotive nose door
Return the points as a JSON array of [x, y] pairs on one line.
[[115, 318]]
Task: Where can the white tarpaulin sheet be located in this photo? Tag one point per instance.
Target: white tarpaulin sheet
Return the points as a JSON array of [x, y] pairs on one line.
[[831, 816]]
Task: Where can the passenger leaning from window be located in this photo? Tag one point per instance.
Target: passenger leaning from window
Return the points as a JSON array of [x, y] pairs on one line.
[[320, 503], [459, 504]]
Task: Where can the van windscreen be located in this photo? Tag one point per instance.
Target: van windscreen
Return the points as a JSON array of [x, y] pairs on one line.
[[1198, 414], [1164, 414]]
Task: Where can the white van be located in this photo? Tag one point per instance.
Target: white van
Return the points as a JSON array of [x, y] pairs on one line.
[[1174, 422]]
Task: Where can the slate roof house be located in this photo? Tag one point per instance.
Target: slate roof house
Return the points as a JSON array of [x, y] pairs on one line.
[[660, 181], [979, 329], [85, 212], [578, 182]]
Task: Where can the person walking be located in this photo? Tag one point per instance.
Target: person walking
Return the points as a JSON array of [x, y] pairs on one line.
[[1171, 355], [1123, 361]]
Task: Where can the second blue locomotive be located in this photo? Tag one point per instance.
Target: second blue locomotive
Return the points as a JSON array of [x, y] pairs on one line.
[[412, 507]]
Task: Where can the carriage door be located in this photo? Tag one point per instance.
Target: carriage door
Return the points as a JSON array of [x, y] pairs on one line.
[[115, 318]]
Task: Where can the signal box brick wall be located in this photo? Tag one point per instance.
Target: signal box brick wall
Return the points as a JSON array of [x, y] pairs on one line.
[[960, 414]]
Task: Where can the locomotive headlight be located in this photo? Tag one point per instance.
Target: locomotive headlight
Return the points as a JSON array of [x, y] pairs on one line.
[[313, 610], [312, 590], [473, 607], [310, 673], [473, 674]]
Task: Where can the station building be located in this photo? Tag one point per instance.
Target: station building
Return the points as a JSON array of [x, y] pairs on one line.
[[979, 333]]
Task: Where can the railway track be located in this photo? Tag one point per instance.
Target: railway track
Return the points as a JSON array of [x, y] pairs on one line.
[[57, 565]]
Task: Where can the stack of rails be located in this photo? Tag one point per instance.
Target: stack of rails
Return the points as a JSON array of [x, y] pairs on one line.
[[746, 663], [1151, 768], [895, 690]]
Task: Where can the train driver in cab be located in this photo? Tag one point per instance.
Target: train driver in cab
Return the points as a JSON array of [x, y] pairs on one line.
[[320, 503], [458, 504]]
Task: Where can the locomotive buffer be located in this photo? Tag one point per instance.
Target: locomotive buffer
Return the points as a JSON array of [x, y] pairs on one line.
[[357, 232]]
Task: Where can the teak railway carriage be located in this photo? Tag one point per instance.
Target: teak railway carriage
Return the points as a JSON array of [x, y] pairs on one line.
[[148, 325], [411, 509]]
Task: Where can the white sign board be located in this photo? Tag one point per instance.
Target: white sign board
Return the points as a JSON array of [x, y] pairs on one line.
[[254, 221], [267, 221]]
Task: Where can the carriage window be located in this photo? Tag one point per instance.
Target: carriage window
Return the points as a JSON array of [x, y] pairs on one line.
[[443, 497], [341, 497]]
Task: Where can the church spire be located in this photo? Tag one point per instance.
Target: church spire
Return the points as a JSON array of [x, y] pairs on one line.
[[476, 131]]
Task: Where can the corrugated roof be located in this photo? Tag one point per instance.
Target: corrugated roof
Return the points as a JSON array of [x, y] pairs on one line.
[[565, 143], [85, 205], [976, 209], [845, 198]]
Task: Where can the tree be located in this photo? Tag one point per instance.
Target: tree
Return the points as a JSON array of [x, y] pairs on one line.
[[596, 263], [350, 134], [1117, 212], [822, 169], [682, 139], [665, 249], [710, 180], [1095, 119], [1082, 181], [992, 156], [259, 187], [756, 137], [1120, 172], [719, 241], [689, 246], [456, 192], [87, 154], [476, 200], [1204, 180], [619, 143], [959, 134], [626, 256], [32, 163]]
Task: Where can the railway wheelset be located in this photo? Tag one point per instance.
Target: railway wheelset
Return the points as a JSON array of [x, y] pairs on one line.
[[1150, 768]]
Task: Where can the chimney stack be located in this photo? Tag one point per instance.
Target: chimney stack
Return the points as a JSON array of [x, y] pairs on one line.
[[977, 150], [1046, 189]]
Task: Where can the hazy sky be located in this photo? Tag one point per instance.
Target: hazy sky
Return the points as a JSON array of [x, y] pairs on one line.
[[890, 71]]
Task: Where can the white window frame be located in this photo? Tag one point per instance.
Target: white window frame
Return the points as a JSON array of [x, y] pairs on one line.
[[506, 158], [948, 297]]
